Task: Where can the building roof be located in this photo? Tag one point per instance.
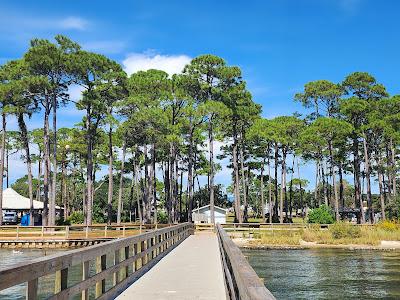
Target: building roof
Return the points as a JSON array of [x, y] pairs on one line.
[[208, 206], [13, 200]]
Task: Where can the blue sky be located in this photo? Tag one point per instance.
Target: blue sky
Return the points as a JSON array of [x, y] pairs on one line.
[[280, 45]]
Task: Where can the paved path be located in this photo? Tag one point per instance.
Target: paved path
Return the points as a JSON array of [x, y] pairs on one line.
[[192, 271]]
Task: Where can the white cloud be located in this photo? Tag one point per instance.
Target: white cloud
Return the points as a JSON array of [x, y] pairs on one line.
[[172, 64], [22, 23], [73, 23]]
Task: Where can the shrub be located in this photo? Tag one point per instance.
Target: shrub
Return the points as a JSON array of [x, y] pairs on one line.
[[388, 225], [62, 222], [76, 217], [321, 215], [162, 217], [342, 230]]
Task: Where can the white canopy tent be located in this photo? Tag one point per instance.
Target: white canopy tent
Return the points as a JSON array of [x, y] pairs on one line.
[[14, 201]]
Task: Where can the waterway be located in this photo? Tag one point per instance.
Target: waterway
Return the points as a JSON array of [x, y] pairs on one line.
[[328, 273]]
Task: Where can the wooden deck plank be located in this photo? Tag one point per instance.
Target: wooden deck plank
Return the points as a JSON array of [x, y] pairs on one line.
[[192, 270]]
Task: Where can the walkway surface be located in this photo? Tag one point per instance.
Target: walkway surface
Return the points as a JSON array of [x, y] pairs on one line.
[[191, 271]]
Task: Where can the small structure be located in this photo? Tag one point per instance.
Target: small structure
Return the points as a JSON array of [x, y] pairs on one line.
[[203, 214], [12, 201]]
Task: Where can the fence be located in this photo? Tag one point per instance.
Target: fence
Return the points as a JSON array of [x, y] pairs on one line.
[[241, 280], [132, 257]]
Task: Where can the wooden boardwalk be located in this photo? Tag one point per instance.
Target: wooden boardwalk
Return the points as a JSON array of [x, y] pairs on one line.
[[192, 270]]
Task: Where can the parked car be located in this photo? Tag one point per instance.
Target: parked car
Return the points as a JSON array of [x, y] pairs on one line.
[[10, 217]]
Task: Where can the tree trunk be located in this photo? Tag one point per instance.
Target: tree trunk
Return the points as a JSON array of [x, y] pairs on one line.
[[276, 163], [317, 201], [211, 186], [46, 218], [244, 186], [381, 189], [269, 190], [170, 184], [64, 199], [332, 166], [262, 190], [2, 156], [357, 188], [238, 214], [38, 196], [291, 191], [54, 180], [25, 142], [190, 172], [154, 181], [146, 194], [121, 183], [393, 163], [341, 185], [283, 186], [89, 171], [136, 170], [110, 177], [301, 189], [324, 183], [368, 178]]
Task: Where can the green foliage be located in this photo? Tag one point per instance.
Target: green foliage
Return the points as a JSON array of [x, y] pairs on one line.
[[162, 217], [76, 217], [393, 209], [388, 225], [321, 215], [341, 230], [62, 222]]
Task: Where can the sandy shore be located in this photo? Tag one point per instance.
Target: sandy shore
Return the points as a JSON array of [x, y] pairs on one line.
[[250, 243]]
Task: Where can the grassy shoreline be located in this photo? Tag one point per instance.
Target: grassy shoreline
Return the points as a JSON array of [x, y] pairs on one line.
[[339, 235]]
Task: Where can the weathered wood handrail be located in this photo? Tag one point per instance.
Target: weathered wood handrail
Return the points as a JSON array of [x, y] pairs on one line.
[[241, 280], [75, 232], [133, 256]]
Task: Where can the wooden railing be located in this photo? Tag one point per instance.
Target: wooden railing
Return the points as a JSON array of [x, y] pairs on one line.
[[131, 258], [76, 232], [241, 280]]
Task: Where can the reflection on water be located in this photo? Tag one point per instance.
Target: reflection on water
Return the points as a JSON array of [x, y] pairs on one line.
[[328, 273], [46, 283]]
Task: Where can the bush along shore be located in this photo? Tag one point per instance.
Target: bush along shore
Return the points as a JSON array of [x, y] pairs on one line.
[[385, 235]]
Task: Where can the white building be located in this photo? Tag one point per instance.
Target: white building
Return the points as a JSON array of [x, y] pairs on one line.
[[203, 214]]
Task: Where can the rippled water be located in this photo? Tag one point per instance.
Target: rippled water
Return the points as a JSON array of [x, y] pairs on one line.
[[328, 273]]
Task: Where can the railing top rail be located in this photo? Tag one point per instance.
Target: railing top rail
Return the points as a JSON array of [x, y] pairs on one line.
[[36, 268], [247, 281]]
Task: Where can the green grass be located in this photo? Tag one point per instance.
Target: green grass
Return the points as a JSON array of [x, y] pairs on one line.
[[341, 234]]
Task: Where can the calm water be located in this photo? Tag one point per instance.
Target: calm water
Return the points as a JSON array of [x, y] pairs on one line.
[[46, 284], [328, 274]]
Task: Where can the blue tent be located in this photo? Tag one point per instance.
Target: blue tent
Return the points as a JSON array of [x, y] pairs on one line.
[[25, 220]]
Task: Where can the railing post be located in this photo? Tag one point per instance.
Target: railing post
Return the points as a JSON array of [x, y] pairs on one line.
[[105, 231], [87, 231], [31, 289], [17, 231], [143, 248], [66, 232], [117, 255], [42, 233], [100, 266], [85, 275], [123, 231], [126, 256], [61, 280], [137, 248]]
